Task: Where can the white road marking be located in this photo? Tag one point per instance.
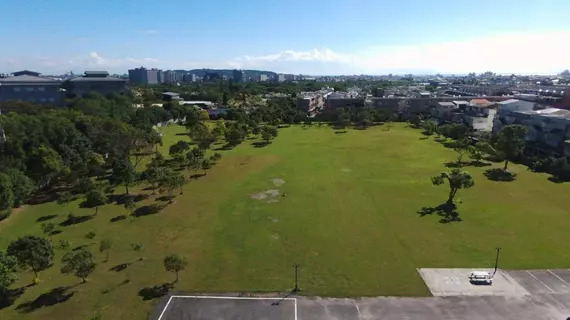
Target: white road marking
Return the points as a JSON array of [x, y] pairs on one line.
[[358, 310], [227, 298], [164, 310], [554, 274], [544, 284]]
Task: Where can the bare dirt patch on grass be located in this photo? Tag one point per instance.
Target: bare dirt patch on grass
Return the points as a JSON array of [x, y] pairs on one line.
[[278, 182]]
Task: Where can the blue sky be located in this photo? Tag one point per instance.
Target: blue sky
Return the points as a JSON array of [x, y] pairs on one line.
[[292, 36]]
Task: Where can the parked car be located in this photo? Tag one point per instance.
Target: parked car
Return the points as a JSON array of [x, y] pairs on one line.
[[481, 277]]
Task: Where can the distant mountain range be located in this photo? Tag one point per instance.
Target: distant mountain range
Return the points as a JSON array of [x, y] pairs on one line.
[[228, 72]]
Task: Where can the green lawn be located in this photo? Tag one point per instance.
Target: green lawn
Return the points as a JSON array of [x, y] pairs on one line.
[[349, 218]]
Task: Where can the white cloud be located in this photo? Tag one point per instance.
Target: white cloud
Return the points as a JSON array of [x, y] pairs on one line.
[[94, 59], [545, 53]]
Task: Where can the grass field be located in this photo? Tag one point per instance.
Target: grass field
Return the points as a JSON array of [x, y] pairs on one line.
[[348, 217]]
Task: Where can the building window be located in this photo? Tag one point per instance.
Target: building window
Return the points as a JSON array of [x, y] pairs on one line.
[[42, 99], [29, 89], [42, 89], [17, 89], [51, 99]]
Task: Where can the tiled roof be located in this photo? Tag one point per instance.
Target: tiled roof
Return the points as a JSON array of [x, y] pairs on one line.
[[480, 102]]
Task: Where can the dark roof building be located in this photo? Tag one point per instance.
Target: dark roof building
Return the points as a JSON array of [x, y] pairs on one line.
[[95, 81], [30, 86]]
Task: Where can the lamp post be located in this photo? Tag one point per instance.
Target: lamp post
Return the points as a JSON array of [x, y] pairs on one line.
[[497, 260], [296, 289]]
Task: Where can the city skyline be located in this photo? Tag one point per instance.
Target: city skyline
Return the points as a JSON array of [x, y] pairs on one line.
[[315, 38]]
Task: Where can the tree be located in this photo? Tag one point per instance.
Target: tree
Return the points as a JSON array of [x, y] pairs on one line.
[[179, 148], [95, 198], [130, 205], [7, 271], [63, 244], [457, 180], [81, 263], [105, 246], [6, 193], [206, 165], [124, 173], [137, 247], [90, 235], [235, 135], [174, 263], [220, 128], [154, 174], [266, 134], [64, 199], [195, 157], [22, 186], [511, 142], [476, 153], [461, 147], [172, 181], [47, 228], [32, 252]]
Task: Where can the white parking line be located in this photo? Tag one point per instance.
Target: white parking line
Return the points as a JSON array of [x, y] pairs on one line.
[[554, 274], [358, 311], [227, 298], [544, 284]]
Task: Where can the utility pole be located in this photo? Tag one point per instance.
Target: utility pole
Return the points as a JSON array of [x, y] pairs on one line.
[[296, 289], [497, 260]]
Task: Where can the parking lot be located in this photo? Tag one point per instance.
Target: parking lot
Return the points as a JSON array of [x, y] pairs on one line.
[[520, 294], [543, 307], [455, 282]]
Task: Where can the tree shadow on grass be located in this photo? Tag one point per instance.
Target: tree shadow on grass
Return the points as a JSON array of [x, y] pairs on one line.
[[158, 291], [477, 164], [148, 210], [118, 218], [55, 232], [498, 174], [196, 176], [73, 219], [447, 212], [260, 144], [120, 199], [165, 198], [46, 218], [340, 132], [226, 146], [50, 298], [9, 296], [556, 179]]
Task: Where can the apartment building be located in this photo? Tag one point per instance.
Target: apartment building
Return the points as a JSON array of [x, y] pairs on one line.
[[145, 76], [547, 129]]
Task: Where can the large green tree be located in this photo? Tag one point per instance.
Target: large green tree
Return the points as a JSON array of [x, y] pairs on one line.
[[22, 186], [7, 271], [80, 262], [456, 180], [511, 142], [32, 252], [6, 192]]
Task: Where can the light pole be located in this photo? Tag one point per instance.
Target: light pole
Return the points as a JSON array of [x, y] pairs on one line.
[[497, 260], [296, 289]]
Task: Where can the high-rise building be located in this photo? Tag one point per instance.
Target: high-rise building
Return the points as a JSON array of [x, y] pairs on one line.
[[262, 78], [238, 76], [144, 76], [289, 77], [280, 77], [189, 77]]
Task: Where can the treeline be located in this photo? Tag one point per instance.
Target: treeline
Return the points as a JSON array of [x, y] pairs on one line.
[[43, 148], [361, 117]]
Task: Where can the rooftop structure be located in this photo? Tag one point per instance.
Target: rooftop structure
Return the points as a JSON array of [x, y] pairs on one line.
[[30, 86]]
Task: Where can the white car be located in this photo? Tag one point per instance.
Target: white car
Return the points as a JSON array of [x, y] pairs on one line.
[[481, 277]]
